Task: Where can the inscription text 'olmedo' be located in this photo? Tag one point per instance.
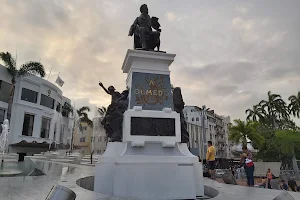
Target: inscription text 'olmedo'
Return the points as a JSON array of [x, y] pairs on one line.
[[151, 91]]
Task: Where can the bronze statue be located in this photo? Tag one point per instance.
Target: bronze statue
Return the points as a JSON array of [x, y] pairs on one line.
[[178, 107], [113, 118], [144, 37]]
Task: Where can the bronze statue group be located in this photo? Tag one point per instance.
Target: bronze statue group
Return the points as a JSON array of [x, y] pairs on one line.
[[144, 39], [113, 118]]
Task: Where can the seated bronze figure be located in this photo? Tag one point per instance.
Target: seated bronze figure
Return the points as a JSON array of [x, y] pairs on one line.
[[144, 37]]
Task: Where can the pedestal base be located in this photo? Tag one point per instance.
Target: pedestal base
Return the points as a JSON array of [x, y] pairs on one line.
[[149, 172]]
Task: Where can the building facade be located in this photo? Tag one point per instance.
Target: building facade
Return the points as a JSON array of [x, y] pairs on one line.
[[205, 125], [37, 122], [91, 138]]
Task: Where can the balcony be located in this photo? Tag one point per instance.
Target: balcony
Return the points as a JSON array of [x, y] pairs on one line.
[[221, 148], [219, 123], [222, 140], [220, 131]]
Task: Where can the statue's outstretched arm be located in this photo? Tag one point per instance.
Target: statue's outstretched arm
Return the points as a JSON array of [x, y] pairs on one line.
[[101, 85]]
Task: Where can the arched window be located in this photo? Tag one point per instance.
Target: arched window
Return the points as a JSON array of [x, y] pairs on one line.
[[192, 119], [197, 119]]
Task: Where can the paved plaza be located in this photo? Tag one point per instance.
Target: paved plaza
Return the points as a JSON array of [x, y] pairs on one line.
[[67, 174]]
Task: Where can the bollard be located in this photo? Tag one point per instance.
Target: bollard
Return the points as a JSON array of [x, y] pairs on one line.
[[284, 196], [59, 192]]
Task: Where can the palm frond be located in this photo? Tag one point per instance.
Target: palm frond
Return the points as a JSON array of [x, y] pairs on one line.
[[84, 109], [31, 68], [9, 63]]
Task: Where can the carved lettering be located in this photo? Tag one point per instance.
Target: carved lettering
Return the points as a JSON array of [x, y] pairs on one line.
[[151, 82], [148, 92]]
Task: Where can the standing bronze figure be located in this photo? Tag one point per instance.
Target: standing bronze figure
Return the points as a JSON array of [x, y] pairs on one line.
[[113, 118], [144, 37], [178, 107]]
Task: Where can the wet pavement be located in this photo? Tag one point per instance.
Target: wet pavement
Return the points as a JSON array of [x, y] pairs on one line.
[[66, 174]]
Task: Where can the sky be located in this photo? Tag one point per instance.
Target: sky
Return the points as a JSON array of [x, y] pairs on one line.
[[229, 54]]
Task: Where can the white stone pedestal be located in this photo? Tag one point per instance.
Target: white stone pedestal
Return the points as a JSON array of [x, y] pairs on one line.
[[150, 163], [149, 172]]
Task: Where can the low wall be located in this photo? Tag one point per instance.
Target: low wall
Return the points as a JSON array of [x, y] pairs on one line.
[[261, 168]]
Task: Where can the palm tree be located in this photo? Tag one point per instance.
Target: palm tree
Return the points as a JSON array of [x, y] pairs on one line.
[[67, 109], [257, 113], [288, 140], [102, 111], [83, 116], [276, 108], [27, 69], [243, 131], [294, 106]]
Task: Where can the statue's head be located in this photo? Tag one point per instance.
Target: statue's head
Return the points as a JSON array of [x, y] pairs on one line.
[[111, 88], [144, 9]]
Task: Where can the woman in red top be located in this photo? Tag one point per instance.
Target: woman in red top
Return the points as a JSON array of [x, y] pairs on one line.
[[247, 161], [269, 178]]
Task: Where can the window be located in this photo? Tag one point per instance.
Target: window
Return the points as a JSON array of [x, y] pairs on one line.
[[197, 119], [192, 119], [45, 127], [82, 139], [4, 91], [61, 135], [2, 114], [84, 128], [47, 101], [105, 138], [54, 131], [28, 125], [58, 107], [29, 95], [100, 139]]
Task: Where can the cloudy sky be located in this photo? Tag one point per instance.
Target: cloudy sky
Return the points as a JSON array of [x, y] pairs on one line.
[[229, 53]]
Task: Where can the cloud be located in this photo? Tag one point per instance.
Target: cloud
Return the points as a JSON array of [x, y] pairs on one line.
[[171, 16], [229, 54], [242, 9]]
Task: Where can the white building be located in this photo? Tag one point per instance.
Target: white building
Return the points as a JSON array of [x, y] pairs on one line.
[[36, 119], [99, 140], [215, 129], [91, 138]]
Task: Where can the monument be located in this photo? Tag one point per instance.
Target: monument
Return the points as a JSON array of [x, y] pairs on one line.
[[147, 156]]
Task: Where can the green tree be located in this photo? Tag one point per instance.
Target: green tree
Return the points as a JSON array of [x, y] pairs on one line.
[[83, 117], [294, 106], [67, 109], [27, 69], [276, 109], [241, 132], [256, 114], [288, 140]]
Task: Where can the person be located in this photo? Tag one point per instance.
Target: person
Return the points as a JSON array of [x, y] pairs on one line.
[[293, 185], [263, 183], [269, 176], [283, 185], [232, 171], [210, 158], [247, 162]]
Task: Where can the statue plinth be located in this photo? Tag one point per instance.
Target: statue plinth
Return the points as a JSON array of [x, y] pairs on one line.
[[151, 162]]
